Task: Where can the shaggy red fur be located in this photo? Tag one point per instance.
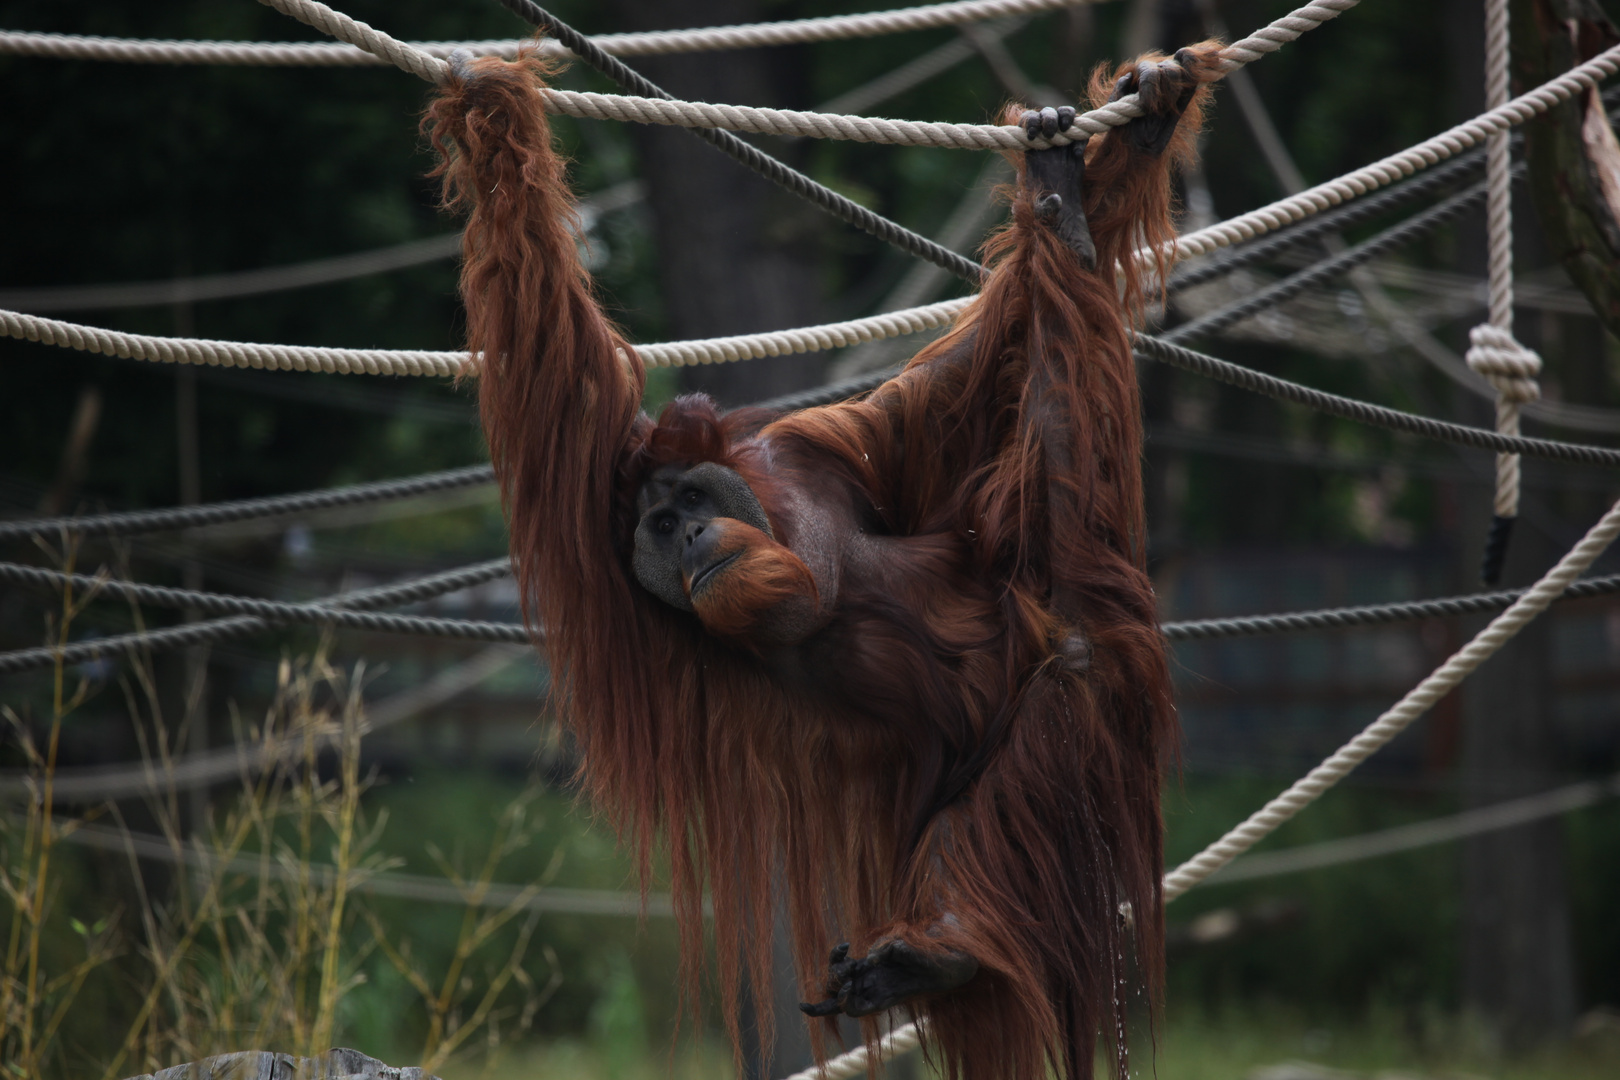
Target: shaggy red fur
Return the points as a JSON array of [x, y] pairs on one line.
[[1004, 802]]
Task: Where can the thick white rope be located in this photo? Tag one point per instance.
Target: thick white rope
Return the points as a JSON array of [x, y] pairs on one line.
[[648, 43], [166, 350], [789, 122], [814, 125], [1493, 351], [848, 1066], [1431, 151], [171, 350], [1418, 701], [805, 339], [336, 24]]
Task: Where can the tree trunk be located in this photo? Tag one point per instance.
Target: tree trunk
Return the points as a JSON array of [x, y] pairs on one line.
[[1517, 957], [736, 253], [1573, 155]]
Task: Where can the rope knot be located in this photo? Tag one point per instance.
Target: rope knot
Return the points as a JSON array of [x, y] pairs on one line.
[[1508, 366]]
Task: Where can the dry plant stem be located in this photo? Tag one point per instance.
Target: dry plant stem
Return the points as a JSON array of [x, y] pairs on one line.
[[348, 809], [304, 907], [165, 972], [30, 893]]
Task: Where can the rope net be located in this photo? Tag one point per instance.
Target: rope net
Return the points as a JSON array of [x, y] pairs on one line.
[[647, 43], [1495, 354]]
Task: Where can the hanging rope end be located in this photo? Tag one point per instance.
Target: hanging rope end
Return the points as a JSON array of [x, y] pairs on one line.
[[1496, 546]]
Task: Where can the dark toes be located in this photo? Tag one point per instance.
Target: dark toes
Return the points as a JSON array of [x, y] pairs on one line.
[[839, 952], [820, 1008], [1049, 121], [1031, 123], [1123, 86], [1065, 117]]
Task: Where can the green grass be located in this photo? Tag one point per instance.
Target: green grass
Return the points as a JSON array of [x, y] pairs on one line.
[[1245, 1044]]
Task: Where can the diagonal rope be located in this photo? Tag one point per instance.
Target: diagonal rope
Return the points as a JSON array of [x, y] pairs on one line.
[[779, 173], [1418, 701], [659, 108], [1396, 166], [1421, 834], [855, 1063], [1326, 269]]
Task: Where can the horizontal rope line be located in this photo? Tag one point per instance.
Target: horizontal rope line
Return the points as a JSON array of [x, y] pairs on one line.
[[1238, 230], [240, 625], [134, 522], [271, 611], [1371, 614], [647, 43], [130, 522], [279, 612], [662, 109]]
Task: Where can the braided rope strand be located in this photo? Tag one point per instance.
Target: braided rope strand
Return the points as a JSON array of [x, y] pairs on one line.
[[1365, 412], [238, 354], [1234, 231], [1418, 701], [1493, 352], [271, 611], [242, 625], [333, 23], [135, 522], [664, 110], [645, 43]]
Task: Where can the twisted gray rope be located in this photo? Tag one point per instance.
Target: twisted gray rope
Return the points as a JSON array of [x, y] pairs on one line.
[[1329, 268], [135, 522], [1365, 412], [1370, 614], [241, 625], [1327, 223], [272, 611], [484, 630]]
